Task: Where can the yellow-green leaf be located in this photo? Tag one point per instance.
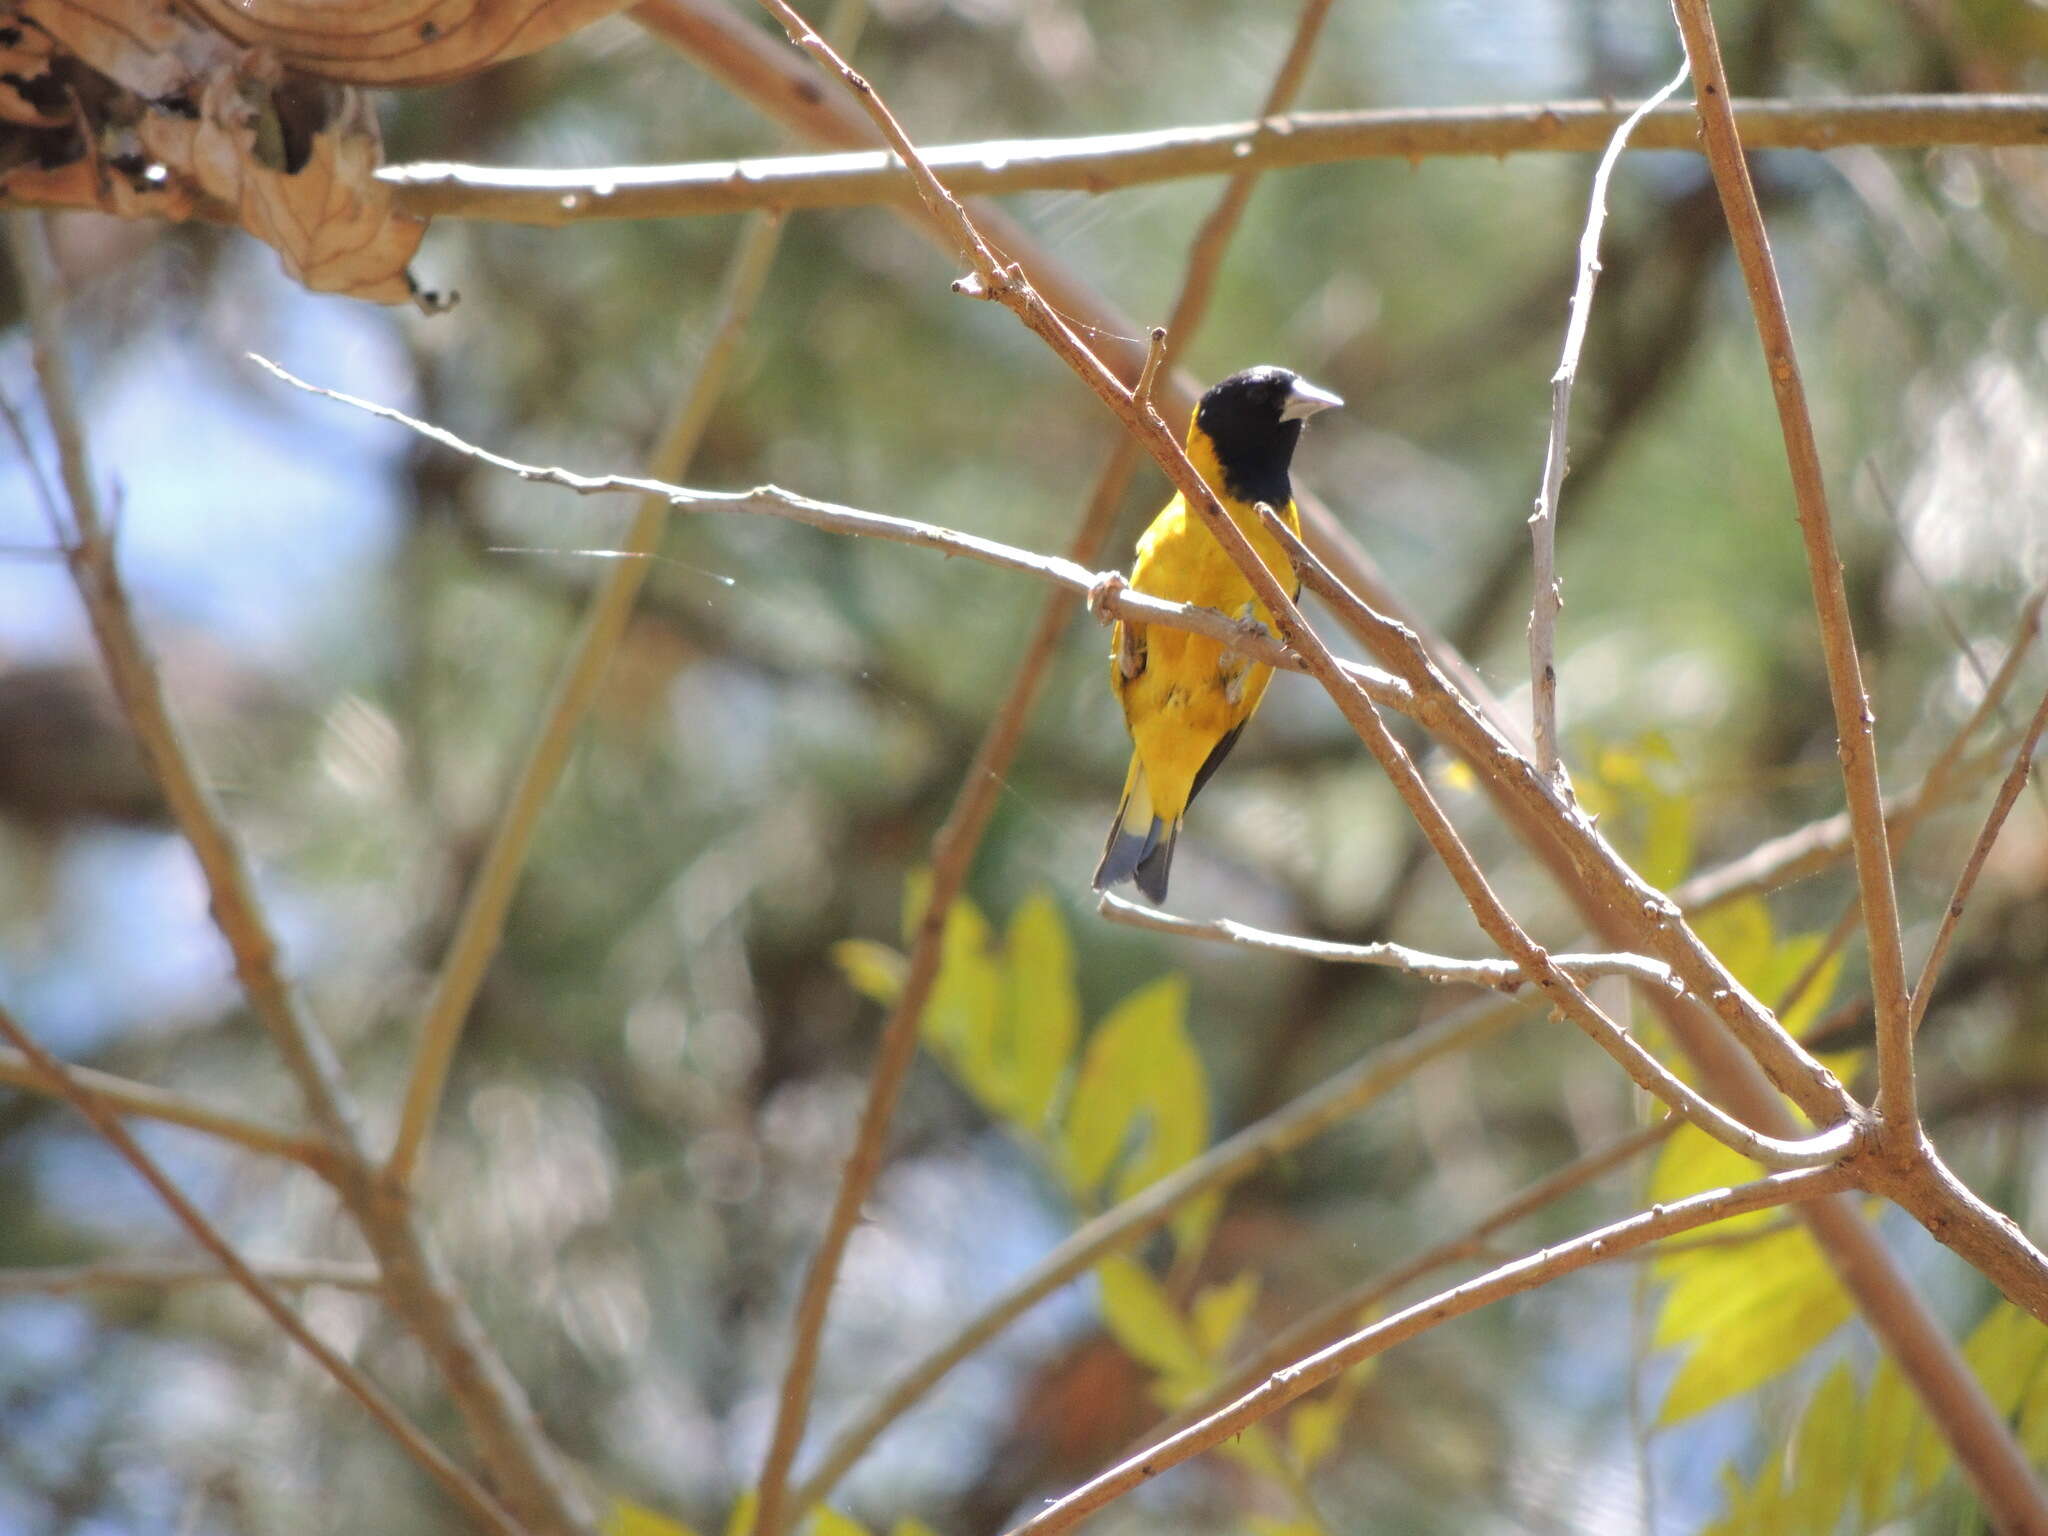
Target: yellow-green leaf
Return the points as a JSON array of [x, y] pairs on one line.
[[909, 1525], [741, 1521], [1750, 1312], [875, 970], [917, 895], [827, 1521], [1141, 1317], [1141, 1097], [1218, 1311], [1312, 1430], [626, 1518], [1044, 1018], [963, 1013]]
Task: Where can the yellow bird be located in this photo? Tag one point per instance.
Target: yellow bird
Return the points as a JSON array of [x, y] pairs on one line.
[[1186, 698]]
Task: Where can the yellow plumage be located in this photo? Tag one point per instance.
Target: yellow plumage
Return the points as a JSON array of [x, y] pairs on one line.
[[1185, 697]]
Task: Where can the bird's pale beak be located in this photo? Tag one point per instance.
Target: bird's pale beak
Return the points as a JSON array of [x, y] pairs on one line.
[[1305, 399]]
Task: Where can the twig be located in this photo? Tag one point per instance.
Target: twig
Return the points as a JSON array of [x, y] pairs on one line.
[[1549, 597], [2008, 793], [954, 848], [1228, 1162], [1500, 975], [1855, 725], [132, 1098], [72, 1279], [1524, 1274], [1154, 356], [1111, 161], [455, 1482], [490, 1399], [1561, 991], [772, 501], [482, 924]]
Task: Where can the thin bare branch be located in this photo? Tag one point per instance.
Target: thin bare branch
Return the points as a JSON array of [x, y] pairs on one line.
[[152, 1103], [1994, 822], [104, 1118], [482, 923], [1855, 724], [1111, 161], [1228, 1162], [1512, 1279], [1499, 975], [1100, 588], [170, 1275], [1549, 597]]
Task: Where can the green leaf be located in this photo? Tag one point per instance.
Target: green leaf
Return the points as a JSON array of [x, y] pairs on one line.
[[1142, 1098], [626, 1518], [1218, 1311], [875, 970], [827, 1521], [1750, 1311], [1044, 1016], [741, 1521], [1141, 1317]]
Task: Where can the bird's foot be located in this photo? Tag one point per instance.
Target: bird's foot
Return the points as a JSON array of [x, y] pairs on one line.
[[1108, 586]]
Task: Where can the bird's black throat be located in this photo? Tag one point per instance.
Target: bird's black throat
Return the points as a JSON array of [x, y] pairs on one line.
[[1254, 446]]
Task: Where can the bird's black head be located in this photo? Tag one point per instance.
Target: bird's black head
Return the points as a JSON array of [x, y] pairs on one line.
[[1254, 420]]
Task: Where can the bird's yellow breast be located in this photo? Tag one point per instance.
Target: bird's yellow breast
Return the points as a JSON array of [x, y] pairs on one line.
[[1191, 691]]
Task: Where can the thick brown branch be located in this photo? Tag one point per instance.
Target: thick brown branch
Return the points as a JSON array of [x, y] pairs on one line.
[[1110, 161]]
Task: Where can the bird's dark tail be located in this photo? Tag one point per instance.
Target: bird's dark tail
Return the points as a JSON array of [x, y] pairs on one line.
[[1140, 845]]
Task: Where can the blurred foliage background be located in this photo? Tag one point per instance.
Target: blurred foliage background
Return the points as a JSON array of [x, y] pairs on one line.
[[660, 1077]]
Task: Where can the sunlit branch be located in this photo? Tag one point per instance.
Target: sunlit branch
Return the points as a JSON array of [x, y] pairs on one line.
[[1109, 162], [1549, 593], [1499, 975], [1108, 596]]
